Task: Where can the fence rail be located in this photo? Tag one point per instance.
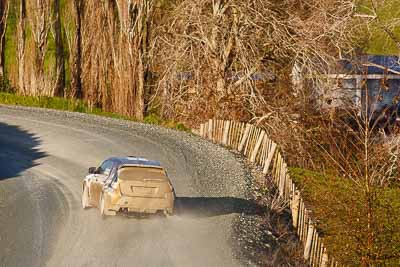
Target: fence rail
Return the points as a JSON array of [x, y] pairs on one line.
[[254, 143]]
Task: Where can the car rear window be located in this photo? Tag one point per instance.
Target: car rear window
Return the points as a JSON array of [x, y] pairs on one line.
[[141, 173]]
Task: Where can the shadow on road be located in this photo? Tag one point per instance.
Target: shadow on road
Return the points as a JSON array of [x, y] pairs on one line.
[[215, 206], [18, 150], [203, 207]]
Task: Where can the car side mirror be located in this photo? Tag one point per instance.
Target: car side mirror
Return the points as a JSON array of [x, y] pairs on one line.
[[92, 170]]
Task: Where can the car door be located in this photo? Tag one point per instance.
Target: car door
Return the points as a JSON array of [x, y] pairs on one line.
[[97, 181]]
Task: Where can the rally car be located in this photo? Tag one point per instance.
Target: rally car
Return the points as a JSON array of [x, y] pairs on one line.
[[128, 184]]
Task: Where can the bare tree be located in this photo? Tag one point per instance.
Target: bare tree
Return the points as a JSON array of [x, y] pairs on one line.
[[135, 17], [21, 46], [115, 49], [365, 170], [238, 50], [59, 66], [76, 83], [96, 50], [4, 7], [39, 18]]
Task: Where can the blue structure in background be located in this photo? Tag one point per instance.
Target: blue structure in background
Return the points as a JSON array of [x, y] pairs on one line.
[[381, 76], [368, 64]]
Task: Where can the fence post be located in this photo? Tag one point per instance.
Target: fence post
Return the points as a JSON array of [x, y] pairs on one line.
[[226, 132], [231, 132], [215, 131], [255, 144], [277, 168], [220, 131], [307, 247], [300, 223], [257, 147], [317, 251], [238, 135], [305, 227], [282, 180], [210, 129], [201, 129], [249, 141], [324, 261], [264, 148], [271, 153], [244, 137], [296, 208]]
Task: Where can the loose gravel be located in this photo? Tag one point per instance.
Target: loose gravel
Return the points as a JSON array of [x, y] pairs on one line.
[[214, 172]]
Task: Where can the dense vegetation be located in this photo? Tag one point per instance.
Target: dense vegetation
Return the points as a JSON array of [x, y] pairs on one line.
[[387, 13], [185, 60], [338, 207], [178, 58]]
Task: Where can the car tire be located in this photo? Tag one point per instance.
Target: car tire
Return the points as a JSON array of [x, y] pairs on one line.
[[85, 197]]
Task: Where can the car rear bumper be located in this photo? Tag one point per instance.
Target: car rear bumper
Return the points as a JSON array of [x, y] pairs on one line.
[[143, 204]]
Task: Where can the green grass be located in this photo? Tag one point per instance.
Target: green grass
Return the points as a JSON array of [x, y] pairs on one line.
[[74, 105], [338, 206], [379, 42]]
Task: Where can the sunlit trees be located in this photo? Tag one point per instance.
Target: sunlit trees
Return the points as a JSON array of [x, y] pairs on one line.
[[76, 49], [59, 53], [40, 23], [115, 49], [237, 52], [4, 7], [21, 40]]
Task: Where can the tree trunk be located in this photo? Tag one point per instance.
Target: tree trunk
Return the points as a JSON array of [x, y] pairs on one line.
[[3, 28], [135, 17], [40, 24], [141, 68], [21, 46], [225, 48], [139, 98], [59, 66], [76, 83]]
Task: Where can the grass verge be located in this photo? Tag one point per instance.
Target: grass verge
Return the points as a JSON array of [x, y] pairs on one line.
[[80, 106], [338, 206]]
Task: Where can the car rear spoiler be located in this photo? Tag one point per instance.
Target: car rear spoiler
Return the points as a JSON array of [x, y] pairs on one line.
[[141, 166]]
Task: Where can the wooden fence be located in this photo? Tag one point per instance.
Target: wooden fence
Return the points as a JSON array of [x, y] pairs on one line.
[[254, 143]]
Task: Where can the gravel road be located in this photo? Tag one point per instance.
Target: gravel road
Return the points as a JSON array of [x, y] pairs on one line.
[[44, 156]]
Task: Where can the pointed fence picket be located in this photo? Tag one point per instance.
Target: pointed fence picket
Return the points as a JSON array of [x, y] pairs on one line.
[[254, 143]]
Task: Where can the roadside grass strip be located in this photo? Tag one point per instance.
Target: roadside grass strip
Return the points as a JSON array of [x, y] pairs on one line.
[[74, 105]]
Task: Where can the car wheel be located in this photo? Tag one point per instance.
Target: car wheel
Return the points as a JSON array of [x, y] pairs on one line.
[[85, 197]]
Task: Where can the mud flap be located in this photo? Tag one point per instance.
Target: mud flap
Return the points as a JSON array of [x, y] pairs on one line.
[[104, 206]]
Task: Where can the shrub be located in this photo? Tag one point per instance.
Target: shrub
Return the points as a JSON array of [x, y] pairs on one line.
[[339, 208]]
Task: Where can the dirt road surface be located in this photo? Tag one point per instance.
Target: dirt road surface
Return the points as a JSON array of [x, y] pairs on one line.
[[44, 156]]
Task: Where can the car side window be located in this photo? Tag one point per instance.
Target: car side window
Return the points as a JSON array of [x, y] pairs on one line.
[[113, 174], [105, 168]]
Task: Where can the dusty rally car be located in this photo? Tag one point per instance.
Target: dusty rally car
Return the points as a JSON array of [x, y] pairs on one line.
[[128, 184]]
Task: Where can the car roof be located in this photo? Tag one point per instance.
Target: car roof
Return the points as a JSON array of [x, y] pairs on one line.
[[135, 161]]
